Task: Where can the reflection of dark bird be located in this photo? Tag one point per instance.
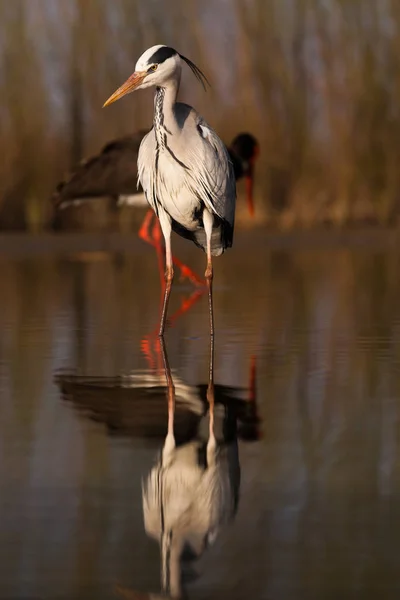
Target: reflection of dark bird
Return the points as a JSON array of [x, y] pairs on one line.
[[183, 166], [193, 490], [134, 405]]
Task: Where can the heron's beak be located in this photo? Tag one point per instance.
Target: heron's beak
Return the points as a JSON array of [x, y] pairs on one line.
[[126, 88], [249, 187]]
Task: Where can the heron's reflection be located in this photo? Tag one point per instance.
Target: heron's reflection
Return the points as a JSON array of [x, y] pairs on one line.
[[192, 491]]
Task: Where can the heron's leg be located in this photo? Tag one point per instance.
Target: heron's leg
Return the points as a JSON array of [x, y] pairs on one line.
[[208, 221], [165, 222]]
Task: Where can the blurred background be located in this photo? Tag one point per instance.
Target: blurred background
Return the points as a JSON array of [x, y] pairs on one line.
[[317, 81], [317, 314]]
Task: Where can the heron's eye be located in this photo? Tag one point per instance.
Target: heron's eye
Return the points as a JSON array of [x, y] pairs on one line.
[[152, 68]]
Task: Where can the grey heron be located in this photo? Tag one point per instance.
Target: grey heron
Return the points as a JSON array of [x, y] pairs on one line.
[[183, 166]]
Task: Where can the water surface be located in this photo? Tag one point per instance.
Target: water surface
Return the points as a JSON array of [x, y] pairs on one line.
[[318, 513]]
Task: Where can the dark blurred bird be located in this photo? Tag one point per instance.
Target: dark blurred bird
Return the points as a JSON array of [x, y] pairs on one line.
[[113, 173]]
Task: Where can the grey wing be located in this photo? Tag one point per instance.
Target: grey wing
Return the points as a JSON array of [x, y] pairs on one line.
[[215, 179], [146, 168]]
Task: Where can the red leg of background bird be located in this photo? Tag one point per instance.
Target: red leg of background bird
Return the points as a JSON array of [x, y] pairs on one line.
[[144, 229], [155, 240], [156, 232], [187, 303], [187, 272]]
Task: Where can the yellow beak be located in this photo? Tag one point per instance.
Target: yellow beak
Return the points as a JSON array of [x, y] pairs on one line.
[[129, 86]]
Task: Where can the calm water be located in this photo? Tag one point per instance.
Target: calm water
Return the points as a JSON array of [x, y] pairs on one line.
[[318, 514]]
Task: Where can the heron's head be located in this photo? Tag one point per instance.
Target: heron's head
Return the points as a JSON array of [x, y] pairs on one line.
[[244, 151], [158, 66]]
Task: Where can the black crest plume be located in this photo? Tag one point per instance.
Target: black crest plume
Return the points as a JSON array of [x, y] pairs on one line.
[[197, 72]]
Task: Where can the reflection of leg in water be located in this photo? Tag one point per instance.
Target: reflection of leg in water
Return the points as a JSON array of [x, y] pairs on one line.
[[169, 444], [150, 343], [171, 544], [212, 444]]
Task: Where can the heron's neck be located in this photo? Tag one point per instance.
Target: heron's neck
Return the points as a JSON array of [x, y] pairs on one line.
[[164, 121]]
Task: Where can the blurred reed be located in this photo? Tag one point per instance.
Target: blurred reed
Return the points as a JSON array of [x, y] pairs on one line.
[[315, 80]]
